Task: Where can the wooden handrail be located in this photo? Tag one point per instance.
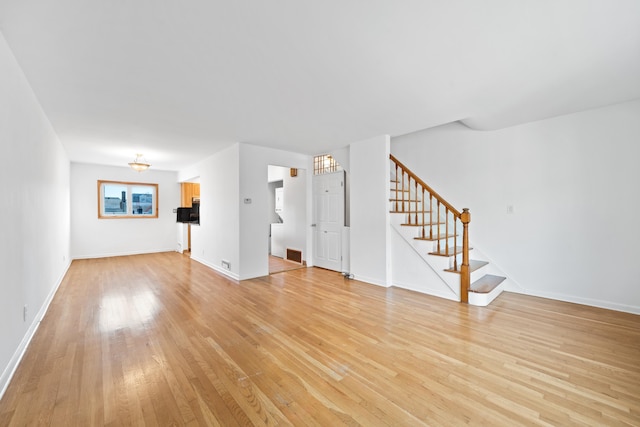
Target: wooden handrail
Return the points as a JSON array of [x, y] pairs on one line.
[[422, 183], [464, 217]]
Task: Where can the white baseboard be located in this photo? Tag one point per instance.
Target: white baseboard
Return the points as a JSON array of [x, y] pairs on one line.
[[126, 253], [370, 280], [14, 362], [220, 270], [579, 300]]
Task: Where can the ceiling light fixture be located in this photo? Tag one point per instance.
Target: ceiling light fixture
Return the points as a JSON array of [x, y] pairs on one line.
[[139, 164]]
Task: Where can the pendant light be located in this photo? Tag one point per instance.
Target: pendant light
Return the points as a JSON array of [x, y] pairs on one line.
[[139, 164]]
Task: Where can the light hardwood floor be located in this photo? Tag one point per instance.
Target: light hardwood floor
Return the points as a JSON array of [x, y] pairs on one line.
[[162, 340], [278, 265]]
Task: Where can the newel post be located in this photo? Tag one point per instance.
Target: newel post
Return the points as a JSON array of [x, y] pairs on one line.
[[465, 274]]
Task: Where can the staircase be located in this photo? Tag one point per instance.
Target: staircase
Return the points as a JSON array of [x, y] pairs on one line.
[[439, 233]]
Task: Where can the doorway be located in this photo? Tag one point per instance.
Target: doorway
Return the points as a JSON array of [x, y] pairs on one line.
[[287, 213], [189, 198]]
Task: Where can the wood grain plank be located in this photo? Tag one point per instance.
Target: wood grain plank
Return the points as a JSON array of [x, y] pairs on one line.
[[159, 340]]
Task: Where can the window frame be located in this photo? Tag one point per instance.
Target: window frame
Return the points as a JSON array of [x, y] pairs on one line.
[[129, 185]]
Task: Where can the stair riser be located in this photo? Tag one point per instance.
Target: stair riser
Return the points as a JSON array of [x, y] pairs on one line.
[[432, 245], [408, 206], [418, 235], [477, 274], [438, 263], [407, 214], [410, 198], [416, 212], [483, 300], [416, 223], [424, 246]]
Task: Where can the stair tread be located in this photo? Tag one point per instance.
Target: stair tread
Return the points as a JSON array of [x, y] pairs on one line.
[[409, 212], [473, 266], [435, 237], [421, 224], [443, 252], [486, 284], [405, 200]]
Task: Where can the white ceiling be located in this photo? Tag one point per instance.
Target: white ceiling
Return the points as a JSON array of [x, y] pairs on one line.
[[179, 80]]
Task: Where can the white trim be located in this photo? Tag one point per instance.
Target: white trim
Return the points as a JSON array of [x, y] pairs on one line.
[[483, 299], [112, 254], [220, 270], [578, 300], [14, 362], [371, 281]]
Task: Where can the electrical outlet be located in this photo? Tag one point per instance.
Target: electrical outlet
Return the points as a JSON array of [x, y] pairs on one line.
[[226, 265], [25, 311], [511, 209]]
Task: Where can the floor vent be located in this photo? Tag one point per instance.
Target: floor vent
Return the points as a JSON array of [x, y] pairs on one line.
[[294, 255]]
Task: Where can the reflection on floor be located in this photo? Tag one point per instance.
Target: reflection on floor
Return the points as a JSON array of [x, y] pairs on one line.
[[278, 265]]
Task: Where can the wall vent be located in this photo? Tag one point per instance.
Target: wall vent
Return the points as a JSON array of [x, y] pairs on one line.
[[294, 255]]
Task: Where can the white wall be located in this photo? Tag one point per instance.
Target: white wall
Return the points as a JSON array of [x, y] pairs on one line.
[[216, 238], [370, 248], [573, 182], [342, 156], [275, 179], [93, 238], [410, 270], [276, 173], [294, 212], [230, 229], [271, 200], [34, 213], [190, 173], [254, 223]]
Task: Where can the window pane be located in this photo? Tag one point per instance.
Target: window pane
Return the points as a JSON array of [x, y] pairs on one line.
[[127, 200], [325, 163], [115, 199], [142, 200]]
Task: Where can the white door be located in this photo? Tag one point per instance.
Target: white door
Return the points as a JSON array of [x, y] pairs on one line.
[[328, 218]]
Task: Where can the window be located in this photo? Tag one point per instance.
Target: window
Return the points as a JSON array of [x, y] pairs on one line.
[[127, 200], [325, 164]]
